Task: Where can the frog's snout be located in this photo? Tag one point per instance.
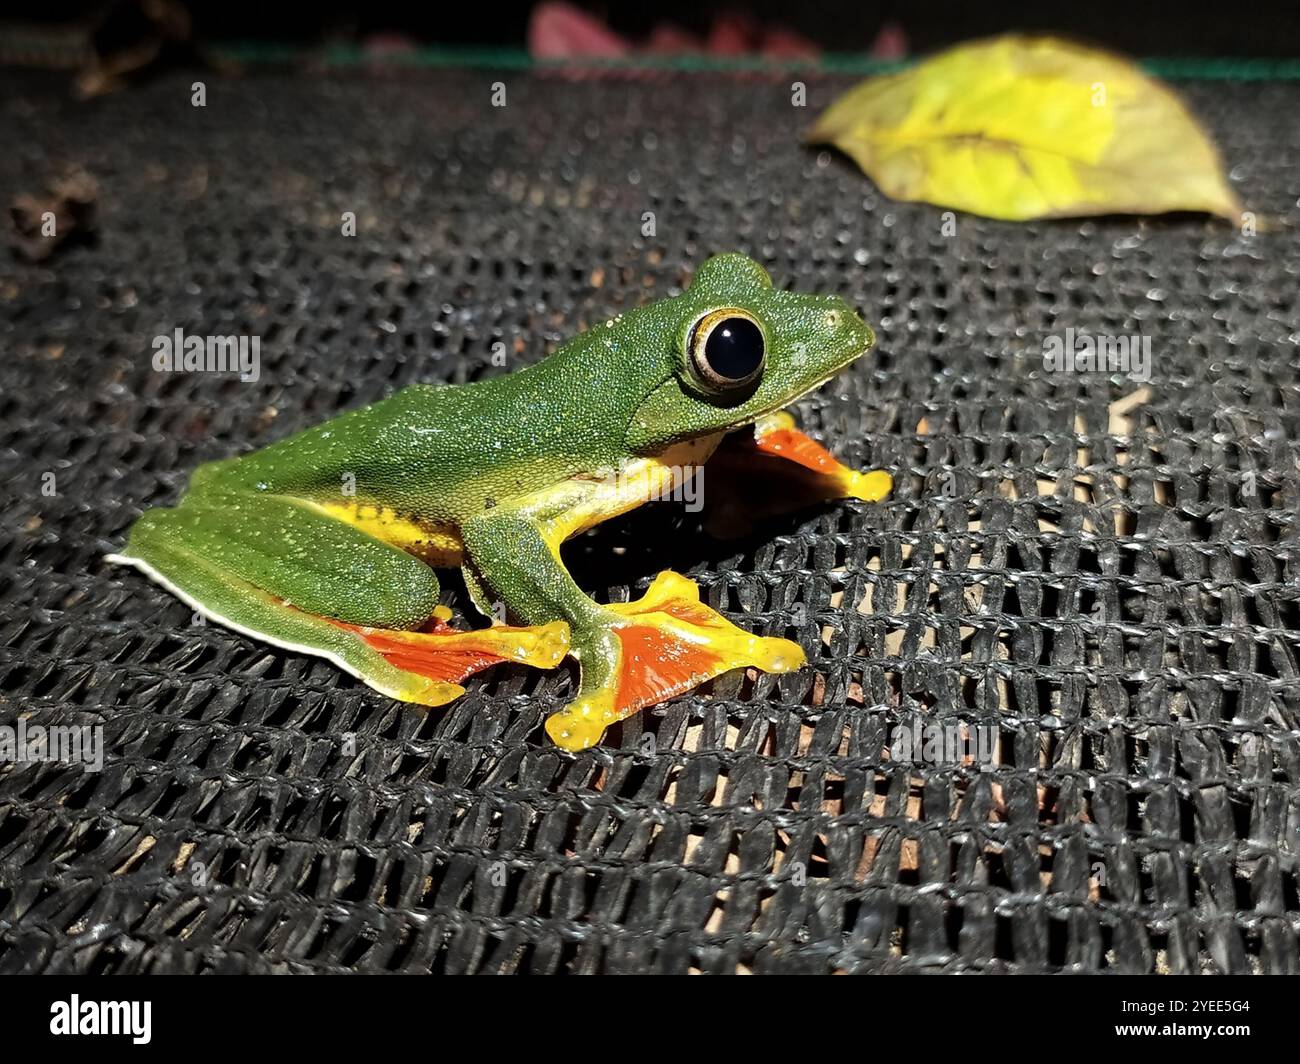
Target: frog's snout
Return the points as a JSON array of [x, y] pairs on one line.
[[838, 314], [844, 324]]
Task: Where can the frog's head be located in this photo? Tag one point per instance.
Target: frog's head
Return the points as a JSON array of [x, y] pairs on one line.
[[736, 349]]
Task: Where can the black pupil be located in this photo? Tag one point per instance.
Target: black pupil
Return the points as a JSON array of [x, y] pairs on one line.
[[734, 349]]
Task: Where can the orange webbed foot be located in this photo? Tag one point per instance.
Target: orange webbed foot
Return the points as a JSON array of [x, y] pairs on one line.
[[665, 644], [448, 655]]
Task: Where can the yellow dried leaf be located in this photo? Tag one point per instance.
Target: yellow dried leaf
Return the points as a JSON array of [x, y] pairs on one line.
[[1029, 127]]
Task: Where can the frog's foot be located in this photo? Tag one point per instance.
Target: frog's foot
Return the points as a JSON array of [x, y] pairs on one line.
[[662, 645], [776, 435], [445, 655]]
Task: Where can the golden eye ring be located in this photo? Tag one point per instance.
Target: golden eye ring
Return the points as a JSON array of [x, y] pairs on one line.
[[727, 349]]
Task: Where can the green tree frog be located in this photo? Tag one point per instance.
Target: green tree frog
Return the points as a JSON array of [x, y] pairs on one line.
[[327, 543]]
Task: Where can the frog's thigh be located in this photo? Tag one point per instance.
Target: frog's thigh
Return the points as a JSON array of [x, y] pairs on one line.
[[312, 561], [162, 545]]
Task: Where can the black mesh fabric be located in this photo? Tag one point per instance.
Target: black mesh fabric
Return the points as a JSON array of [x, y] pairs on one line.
[[1100, 570]]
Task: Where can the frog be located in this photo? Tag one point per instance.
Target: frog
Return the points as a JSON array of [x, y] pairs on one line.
[[329, 541]]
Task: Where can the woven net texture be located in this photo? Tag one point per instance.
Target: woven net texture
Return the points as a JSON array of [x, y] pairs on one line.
[[1094, 575]]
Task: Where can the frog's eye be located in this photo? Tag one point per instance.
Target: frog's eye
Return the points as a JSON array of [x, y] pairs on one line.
[[727, 349]]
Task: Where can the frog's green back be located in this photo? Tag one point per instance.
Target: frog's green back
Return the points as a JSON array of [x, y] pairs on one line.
[[443, 451], [620, 390]]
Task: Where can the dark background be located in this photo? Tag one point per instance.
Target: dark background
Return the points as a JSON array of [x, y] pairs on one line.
[[1258, 29]]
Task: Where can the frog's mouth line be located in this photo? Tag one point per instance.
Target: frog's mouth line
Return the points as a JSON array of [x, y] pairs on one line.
[[749, 422]]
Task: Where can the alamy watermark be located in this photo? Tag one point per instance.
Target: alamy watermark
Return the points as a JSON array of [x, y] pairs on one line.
[[944, 744], [178, 353], [686, 487], [664, 483], [71, 743], [77, 1017], [1081, 352]]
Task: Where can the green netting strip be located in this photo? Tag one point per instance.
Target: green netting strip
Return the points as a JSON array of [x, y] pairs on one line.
[[1203, 68]]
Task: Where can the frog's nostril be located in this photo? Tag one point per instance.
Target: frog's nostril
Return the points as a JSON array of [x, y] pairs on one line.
[[834, 319]]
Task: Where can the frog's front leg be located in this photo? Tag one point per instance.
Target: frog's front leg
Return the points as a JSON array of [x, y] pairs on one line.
[[631, 655], [777, 436]]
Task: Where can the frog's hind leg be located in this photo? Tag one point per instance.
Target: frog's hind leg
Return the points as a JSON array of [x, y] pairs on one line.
[[666, 643], [259, 572], [441, 652], [234, 603]]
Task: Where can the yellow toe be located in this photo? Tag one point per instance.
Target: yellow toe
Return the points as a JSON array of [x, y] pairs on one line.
[[542, 646], [871, 486], [579, 725], [423, 691], [773, 655]]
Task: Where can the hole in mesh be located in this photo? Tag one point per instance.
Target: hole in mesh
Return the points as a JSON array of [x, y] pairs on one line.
[[11, 828], [364, 870], [1003, 937], [16, 679], [357, 950]]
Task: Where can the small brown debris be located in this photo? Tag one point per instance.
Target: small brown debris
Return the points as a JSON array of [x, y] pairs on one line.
[[130, 38], [63, 213]]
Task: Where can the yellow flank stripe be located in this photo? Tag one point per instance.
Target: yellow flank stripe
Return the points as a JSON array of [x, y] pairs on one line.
[[635, 483], [585, 503], [438, 545]]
